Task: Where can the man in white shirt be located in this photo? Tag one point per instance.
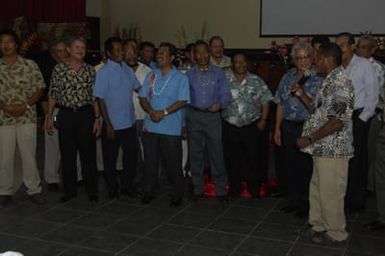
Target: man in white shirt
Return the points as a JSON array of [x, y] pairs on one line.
[[217, 58], [366, 47], [366, 88], [141, 70]]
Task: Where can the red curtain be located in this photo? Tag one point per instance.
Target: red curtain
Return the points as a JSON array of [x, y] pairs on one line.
[[46, 11]]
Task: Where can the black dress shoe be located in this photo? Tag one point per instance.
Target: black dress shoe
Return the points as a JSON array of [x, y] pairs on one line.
[[255, 194], [130, 192], [93, 198], [5, 201], [147, 199], [277, 194], [174, 203], [37, 199], [234, 193], [375, 225], [113, 195], [66, 198], [196, 197], [53, 187], [301, 214], [289, 208], [223, 199]]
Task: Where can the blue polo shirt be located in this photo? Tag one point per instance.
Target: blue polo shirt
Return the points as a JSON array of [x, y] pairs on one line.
[[161, 92], [115, 83]]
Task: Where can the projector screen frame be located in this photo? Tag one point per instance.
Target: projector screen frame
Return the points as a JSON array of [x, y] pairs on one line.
[[300, 35]]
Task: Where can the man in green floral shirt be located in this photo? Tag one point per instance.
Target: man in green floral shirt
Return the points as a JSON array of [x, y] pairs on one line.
[[328, 136], [244, 124], [21, 86]]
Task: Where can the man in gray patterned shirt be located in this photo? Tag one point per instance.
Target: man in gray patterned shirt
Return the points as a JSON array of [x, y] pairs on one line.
[[327, 136]]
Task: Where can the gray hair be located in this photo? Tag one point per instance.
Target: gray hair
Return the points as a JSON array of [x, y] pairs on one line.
[[301, 45], [55, 43], [370, 39], [73, 39]]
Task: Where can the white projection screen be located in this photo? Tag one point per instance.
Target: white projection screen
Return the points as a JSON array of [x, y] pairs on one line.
[[324, 17]]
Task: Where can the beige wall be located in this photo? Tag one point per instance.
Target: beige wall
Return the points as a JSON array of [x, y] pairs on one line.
[[237, 21], [100, 8]]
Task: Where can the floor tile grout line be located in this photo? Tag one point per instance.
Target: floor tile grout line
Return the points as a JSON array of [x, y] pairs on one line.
[[214, 219], [38, 239], [83, 212], [248, 235], [145, 236], [116, 221]]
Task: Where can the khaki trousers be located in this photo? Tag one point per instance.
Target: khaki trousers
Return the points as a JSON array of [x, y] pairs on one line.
[[326, 195], [25, 138]]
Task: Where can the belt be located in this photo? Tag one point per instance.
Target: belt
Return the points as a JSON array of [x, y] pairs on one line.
[[357, 112], [82, 108], [294, 122], [203, 110]]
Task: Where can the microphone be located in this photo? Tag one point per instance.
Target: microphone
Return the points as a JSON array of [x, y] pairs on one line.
[[304, 78], [306, 75]]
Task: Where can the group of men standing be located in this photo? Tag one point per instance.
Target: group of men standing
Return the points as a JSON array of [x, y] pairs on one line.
[[225, 113], [138, 110]]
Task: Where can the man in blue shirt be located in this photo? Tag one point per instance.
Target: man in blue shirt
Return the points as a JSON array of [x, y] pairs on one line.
[[293, 108], [147, 51], [164, 93], [114, 87], [209, 94]]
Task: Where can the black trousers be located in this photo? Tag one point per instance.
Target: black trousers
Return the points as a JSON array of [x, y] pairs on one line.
[[298, 165], [280, 170], [125, 138], [358, 165], [76, 134], [168, 150], [243, 150]]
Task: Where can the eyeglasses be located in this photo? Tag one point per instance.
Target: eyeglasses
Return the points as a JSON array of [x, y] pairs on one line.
[[304, 57]]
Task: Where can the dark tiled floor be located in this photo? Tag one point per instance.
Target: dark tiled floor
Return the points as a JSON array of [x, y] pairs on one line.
[[122, 228]]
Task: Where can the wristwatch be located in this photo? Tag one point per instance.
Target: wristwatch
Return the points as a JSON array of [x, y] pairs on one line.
[[165, 112]]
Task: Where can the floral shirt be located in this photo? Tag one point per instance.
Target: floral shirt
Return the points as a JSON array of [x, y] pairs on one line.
[[18, 82], [293, 107], [72, 90], [335, 99], [247, 98]]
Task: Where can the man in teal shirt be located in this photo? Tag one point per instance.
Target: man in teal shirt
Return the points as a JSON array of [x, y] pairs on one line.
[[244, 124], [164, 93]]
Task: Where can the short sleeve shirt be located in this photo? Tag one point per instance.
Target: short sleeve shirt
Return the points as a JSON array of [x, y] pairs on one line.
[[247, 98], [162, 91], [18, 82], [293, 108], [115, 84], [335, 99], [70, 89]]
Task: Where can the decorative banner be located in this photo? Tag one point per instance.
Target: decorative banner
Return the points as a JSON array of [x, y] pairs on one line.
[[49, 32]]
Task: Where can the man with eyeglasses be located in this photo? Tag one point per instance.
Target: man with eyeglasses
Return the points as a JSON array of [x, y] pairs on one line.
[[293, 108]]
